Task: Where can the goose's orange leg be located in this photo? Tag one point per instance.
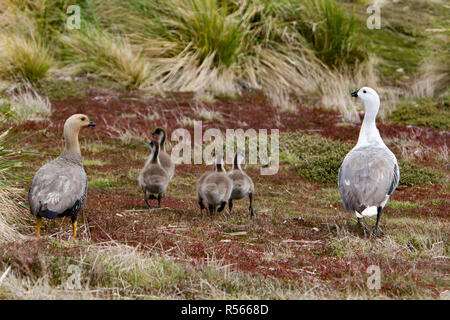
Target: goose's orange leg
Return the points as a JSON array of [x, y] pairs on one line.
[[38, 226]]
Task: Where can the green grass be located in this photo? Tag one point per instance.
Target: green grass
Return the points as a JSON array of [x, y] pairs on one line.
[[98, 147], [402, 204], [334, 34], [24, 58], [413, 174], [404, 40], [61, 89], [424, 112], [100, 182], [5, 110], [318, 159], [94, 162]]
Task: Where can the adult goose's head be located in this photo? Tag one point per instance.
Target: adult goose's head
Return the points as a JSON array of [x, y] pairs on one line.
[[369, 97], [72, 128], [77, 121]]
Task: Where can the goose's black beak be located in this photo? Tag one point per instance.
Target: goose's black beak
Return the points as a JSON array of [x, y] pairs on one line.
[[355, 94], [91, 124]]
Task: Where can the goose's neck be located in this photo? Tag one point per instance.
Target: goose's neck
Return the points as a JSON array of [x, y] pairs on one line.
[[369, 133], [71, 140], [155, 157], [162, 140], [219, 168], [236, 164]]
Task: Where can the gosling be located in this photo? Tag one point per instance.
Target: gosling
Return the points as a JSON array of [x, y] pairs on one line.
[[153, 178], [164, 157], [242, 184], [214, 188]]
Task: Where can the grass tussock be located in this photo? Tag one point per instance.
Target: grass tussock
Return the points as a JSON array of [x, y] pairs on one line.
[[227, 46], [286, 49], [433, 74], [334, 35], [112, 57], [12, 216], [24, 58], [25, 105]]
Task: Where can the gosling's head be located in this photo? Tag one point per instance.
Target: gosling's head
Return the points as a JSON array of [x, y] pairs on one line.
[[238, 158], [218, 162], [159, 133]]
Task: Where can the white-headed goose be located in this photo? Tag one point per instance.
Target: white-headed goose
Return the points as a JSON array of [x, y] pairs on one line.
[[59, 188], [369, 173]]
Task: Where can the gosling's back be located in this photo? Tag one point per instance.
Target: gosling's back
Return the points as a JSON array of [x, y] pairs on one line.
[[215, 188]]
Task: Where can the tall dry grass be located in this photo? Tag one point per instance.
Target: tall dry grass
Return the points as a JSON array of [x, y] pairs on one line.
[[225, 47], [433, 78], [28, 105], [113, 57], [116, 271], [285, 49], [13, 218], [23, 58]]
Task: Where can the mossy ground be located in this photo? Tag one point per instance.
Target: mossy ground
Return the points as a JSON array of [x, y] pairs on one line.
[[300, 240], [318, 159], [425, 113]]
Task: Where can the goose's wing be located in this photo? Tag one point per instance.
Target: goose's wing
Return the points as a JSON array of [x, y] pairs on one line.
[[202, 179], [395, 180], [366, 177], [58, 188], [166, 163]]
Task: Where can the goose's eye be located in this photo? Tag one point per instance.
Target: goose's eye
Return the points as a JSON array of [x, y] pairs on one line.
[[364, 91], [83, 118]]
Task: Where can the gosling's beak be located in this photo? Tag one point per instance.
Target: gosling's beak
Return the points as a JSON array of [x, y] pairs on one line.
[[355, 93], [91, 124]]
